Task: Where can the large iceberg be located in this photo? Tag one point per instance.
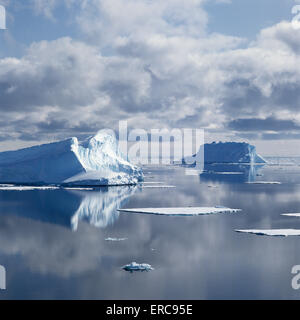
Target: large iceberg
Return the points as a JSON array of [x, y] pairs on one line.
[[95, 161], [228, 152]]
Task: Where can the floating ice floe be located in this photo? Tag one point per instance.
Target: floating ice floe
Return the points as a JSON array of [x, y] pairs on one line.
[[272, 232], [116, 239], [74, 188], [159, 186], [186, 211], [133, 266], [152, 182], [264, 182], [26, 188], [225, 172], [291, 215]]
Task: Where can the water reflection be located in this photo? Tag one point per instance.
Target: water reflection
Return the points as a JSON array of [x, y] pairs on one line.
[[194, 257], [231, 173], [67, 207], [100, 208]]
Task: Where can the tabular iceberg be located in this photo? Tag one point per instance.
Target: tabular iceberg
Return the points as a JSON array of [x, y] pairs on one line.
[[228, 152], [95, 161]]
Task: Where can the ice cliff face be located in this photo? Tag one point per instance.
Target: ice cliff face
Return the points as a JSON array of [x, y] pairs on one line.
[[231, 152], [95, 161]]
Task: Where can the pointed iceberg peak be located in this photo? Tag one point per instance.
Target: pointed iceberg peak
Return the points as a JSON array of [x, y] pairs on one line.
[[95, 161]]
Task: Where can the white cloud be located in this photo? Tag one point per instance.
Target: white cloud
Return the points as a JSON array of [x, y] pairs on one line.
[[152, 63]]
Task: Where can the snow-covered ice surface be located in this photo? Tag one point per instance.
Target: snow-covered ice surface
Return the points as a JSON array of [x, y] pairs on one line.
[[26, 188], [186, 211], [95, 161], [272, 232]]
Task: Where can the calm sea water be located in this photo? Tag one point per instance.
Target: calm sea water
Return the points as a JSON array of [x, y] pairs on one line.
[[52, 243]]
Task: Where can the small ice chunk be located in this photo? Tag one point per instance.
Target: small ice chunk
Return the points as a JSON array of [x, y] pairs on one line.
[[160, 186], [291, 215], [185, 211], [152, 182], [226, 172], [74, 188], [133, 266], [273, 232], [116, 239], [264, 182]]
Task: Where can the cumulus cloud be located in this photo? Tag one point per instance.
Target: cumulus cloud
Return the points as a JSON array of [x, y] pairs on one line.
[[154, 64]]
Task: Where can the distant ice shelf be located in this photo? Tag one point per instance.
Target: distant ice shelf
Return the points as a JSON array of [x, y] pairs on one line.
[[272, 232], [185, 211]]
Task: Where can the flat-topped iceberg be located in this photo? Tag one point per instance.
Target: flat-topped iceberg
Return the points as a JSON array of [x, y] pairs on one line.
[[228, 152], [95, 161]]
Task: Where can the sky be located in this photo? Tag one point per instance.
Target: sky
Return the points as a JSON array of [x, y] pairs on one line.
[[73, 67]]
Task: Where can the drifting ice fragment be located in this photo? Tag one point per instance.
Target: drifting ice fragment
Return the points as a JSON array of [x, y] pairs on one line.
[[133, 266], [187, 211], [116, 239], [160, 187], [264, 182], [273, 232], [26, 188], [291, 215]]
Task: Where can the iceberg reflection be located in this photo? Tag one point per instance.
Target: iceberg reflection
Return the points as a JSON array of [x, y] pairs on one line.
[[230, 173], [100, 208], [67, 207]]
